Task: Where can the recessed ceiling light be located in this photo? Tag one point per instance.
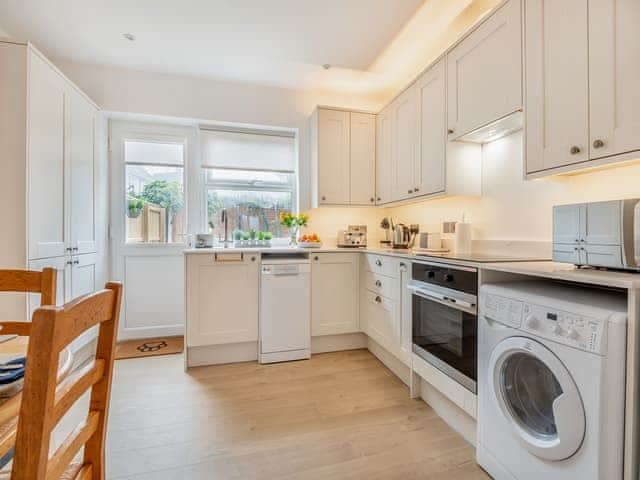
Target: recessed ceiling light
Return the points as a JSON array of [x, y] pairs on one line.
[[129, 36], [326, 66]]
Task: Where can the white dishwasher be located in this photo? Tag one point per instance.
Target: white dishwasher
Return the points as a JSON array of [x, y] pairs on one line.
[[285, 307]]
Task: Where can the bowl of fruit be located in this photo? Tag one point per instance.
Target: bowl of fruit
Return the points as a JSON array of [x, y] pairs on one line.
[[309, 240]]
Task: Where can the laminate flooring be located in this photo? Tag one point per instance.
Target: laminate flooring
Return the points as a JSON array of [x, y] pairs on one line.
[[340, 415]]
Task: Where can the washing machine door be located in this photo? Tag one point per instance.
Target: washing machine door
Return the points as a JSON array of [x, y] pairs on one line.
[[538, 397]]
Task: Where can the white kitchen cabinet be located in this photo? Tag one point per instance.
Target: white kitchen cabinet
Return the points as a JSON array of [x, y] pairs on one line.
[[403, 144], [383, 157], [431, 123], [485, 72], [343, 158], [45, 166], [83, 275], [557, 83], [362, 159], [382, 322], [614, 70], [600, 223], [80, 200], [222, 298], [566, 223], [333, 151], [334, 293]]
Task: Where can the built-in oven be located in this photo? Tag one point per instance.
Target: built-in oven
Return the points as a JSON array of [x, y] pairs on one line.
[[444, 318]]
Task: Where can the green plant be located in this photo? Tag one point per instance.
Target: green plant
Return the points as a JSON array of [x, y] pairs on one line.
[[134, 206], [166, 194], [260, 235], [268, 235], [237, 234], [252, 234], [245, 235]]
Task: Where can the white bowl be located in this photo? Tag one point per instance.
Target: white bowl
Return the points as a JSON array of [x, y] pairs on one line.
[[309, 244]]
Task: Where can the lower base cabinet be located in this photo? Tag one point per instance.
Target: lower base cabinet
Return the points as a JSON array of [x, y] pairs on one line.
[[222, 293], [334, 293]]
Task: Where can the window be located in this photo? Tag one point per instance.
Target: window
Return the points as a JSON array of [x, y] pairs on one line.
[[252, 176], [154, 182]]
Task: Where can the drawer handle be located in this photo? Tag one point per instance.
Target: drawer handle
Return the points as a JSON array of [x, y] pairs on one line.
[[574, 150], [378, 283], [378, 263], [316, 258], [598, 143], [450, 131], [378, 299]]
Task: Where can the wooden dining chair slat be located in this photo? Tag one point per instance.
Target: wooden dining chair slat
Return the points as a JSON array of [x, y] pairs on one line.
[[27, 281], [44, 402]]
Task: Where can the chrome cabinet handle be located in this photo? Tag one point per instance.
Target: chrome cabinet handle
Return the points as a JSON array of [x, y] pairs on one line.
[[416, 189], [450, 131], [378, 283], [324, 198], [598, 143], [76, 262], [379, 199], [372, 199], [68, 249], [253, 259], [378, 299], [574, 150], [316, 258], [378, 263]]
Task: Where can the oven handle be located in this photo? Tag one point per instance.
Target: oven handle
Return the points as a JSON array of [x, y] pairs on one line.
[[444, 299]]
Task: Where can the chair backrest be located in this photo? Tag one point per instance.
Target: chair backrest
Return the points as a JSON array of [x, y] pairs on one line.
[[44, 401], [27, 281]]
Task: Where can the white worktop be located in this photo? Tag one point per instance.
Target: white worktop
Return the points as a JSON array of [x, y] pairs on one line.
[[544, 269]]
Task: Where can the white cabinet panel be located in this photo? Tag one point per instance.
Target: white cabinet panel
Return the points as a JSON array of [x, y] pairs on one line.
[[567, 253], [601, 255], [406, 331], [601, 225], [60, 264], [80, 155], [83, 275], [333, 157], [45, 163], [334, 293], [222, 299], [403, 139], [363, 159], [556, 83], [432, 140], [383, 156], [566, 223], [614, 70], [485, 72], [383, 323]]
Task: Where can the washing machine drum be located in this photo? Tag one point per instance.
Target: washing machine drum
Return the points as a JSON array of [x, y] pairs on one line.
[[538, 398]]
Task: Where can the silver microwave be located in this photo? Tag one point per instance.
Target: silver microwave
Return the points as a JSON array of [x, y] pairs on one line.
[[598, 234]]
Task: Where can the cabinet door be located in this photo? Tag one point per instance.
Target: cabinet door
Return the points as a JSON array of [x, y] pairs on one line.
[[485, 72], [83, 275], [383, 323], [80, 154], [222, 299], [556, 84], [432, 138], [383, 156], [334, 298], [45, 160], [601, 224], [567, 253], [566, 223], [62, 277], [403, 140], [333, 157], [363, 159], [614, 70]]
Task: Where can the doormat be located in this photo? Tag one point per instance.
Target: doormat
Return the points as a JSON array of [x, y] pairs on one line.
[[149, 347]]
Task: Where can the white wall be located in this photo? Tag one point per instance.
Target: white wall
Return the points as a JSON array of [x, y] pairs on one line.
[[514, 209]]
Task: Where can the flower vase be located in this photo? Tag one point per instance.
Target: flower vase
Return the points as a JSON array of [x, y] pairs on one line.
[[293, 236]]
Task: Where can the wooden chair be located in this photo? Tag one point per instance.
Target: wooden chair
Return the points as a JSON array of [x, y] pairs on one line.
[[45, 402], [27, 281]]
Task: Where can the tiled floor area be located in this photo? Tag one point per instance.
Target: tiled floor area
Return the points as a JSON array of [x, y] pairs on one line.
[[337, 416]]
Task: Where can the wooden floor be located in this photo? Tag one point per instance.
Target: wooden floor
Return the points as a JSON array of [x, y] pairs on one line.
[[337, 416]]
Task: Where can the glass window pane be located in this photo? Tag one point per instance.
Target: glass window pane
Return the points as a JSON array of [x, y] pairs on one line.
[[248, 210], [154, 204], [154, 153]]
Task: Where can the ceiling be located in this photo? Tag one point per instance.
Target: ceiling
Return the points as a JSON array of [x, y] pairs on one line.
[[273, 42]]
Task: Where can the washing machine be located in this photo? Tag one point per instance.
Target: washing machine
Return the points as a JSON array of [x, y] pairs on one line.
[[551, 381]]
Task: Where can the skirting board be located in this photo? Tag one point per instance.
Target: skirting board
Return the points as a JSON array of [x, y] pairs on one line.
[[336, 343]]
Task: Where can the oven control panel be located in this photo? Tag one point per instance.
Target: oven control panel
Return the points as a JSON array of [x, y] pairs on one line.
[[579, 331]]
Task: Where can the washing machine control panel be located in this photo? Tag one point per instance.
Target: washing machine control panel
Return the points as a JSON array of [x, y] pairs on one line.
[[579, 331]]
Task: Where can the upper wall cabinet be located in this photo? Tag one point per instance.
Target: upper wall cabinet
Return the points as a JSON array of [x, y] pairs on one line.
[[343, 157], [383, 156], [403, 145], [614, 71], [485, 72], [581, 96]]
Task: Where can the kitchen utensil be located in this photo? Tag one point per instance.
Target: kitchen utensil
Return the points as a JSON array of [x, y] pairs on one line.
[[401, 236]]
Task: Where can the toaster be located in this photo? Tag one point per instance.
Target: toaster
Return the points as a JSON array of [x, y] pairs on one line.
[[354, 236], [598, 234]]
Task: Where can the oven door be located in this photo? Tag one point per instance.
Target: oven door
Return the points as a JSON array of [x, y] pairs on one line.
[[445, 331]]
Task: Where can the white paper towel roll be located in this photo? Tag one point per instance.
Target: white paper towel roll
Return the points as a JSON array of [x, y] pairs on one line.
[[463, 237]]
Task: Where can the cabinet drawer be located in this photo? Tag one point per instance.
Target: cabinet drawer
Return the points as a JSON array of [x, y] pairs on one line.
[[381, 264], [381, 285], [381, 320], [566, 253], [602, 255]]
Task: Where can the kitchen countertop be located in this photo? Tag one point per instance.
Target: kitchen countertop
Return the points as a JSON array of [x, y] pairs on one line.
[[531, 267]]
